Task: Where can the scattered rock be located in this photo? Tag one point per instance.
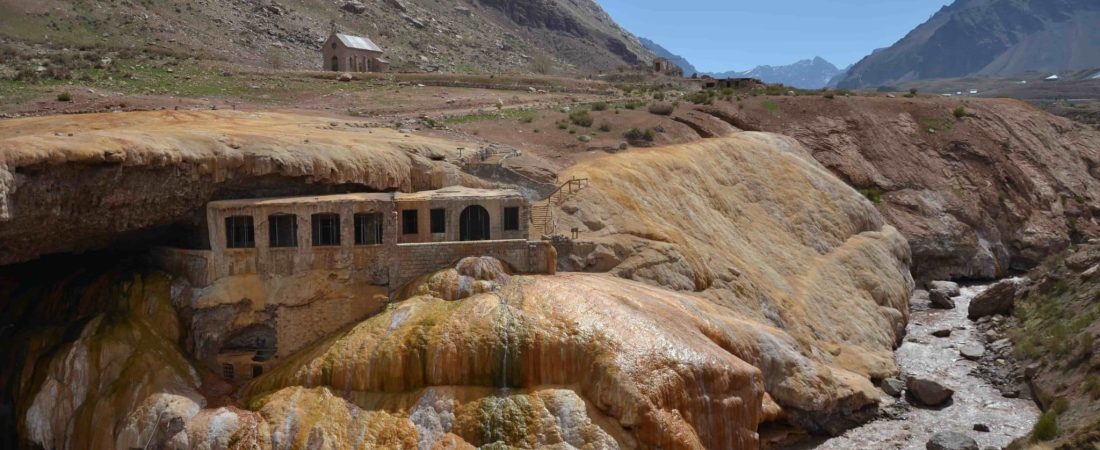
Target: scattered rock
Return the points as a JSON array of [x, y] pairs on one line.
[[948, 287], [981, 427], [354, 7], [927, 392], [972, 352], [939, 299], [893, 387], [998, 299], [950, 440], [942, 333], [400, 5]]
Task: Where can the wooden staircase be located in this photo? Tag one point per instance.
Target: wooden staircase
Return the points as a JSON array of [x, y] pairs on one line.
[[542, 212]]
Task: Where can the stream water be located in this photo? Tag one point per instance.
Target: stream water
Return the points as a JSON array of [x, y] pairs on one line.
[[975, 400]]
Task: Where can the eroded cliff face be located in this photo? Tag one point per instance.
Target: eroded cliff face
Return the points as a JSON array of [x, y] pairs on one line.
[[979, 196], [76, 183], [747, 286]]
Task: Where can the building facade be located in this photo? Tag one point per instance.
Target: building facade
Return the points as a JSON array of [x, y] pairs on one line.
[[347, 53], [391, 237]]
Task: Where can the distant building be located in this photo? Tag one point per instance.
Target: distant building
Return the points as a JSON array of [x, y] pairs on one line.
[[1053, 78], [346, 53], [665, 67]]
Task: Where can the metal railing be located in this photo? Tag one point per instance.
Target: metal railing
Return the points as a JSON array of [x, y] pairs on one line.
[[542, 213]]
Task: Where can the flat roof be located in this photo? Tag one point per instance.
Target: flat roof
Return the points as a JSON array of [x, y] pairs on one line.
[[447, 193], [458, 193]]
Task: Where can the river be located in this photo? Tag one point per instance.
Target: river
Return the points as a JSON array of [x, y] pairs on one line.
[[975, 400]]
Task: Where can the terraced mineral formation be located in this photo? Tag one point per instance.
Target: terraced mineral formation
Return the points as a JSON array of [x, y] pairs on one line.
[[745, 285]]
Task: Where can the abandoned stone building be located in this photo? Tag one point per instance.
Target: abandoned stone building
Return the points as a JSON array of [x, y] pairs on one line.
[[366, 239], [665, 67], [346, 53]]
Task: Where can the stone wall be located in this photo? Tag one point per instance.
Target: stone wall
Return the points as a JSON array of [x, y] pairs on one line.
[[523, 256]]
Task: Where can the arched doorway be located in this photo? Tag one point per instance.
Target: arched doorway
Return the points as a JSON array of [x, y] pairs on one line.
[[335, 64], [473, 224]]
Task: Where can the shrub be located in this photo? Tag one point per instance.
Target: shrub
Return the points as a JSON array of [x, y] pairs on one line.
[[960, 112], [636, 135], [605, 127], [527, 118], [1046, 428], [599, 106], [64, 97], [1092, 387], [542, 64], [873, 194], [829, 95], [659, 95], [662, 108], [1059, 405], [581, 118], [705, 97]]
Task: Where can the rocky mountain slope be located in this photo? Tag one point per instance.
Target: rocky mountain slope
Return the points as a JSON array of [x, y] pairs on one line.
[[1056, 332], [988, 37], [813, 73], [784, 320], [658, 50], [453, 35]]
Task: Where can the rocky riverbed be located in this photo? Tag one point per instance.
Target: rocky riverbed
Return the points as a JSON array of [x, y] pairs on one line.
[[978, 402]]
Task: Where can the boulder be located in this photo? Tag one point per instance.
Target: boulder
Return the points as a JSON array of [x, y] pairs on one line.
[[398, 4], [942, 333], [950, 288], [893, 387], [939, 299], [998, 299], [972, 352], [354, 7], [927, 392], [950, 440], [344, 77]]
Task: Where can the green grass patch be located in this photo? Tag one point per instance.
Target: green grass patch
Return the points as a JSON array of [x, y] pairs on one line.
[[935, 124], [521, 115], [874, 194], [1046, 428]]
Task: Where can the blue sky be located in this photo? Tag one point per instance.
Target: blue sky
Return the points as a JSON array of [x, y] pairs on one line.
[[720, 35]]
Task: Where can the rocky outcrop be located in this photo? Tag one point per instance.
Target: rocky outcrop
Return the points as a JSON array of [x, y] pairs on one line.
[[729, 219], [998, 299], [78, 183], [1057, 343], [977, 197], [97, 365]]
